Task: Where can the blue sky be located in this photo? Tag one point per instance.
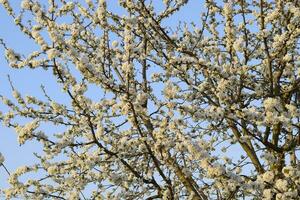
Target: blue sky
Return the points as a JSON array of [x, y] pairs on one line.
[[28, 82]]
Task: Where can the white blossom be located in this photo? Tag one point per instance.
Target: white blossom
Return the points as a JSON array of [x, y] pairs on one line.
[[25, 132], [25, 4], [268, 177], [170, 90], [52, 53], [267, 194], [1, 159], [281, 184]]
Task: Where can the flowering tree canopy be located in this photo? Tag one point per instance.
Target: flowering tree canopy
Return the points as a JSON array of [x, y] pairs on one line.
[[193, 111]]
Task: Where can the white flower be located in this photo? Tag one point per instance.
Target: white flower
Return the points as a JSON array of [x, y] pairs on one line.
[[238, 170], [287, 58], [267, 194], [273, 108], [292, 110], [290, 195], [74, 195], [16, 94], [21, 170], [36, 7], [166, 194], [271, 103], [268, 177], [11, 55], [3, 1], [127, 67], [57, 108], [215, 171], [288, 171], [281, 184], [170, 90], [1, 159], [52, 170], [25, 132], [25, 4], [238, 44], [141, 98], [227, 9], [52, 53]]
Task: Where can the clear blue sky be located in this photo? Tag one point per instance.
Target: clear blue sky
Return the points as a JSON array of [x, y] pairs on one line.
[[28, 83]]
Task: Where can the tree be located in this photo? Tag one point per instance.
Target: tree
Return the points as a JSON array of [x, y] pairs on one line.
[[198, 111]]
